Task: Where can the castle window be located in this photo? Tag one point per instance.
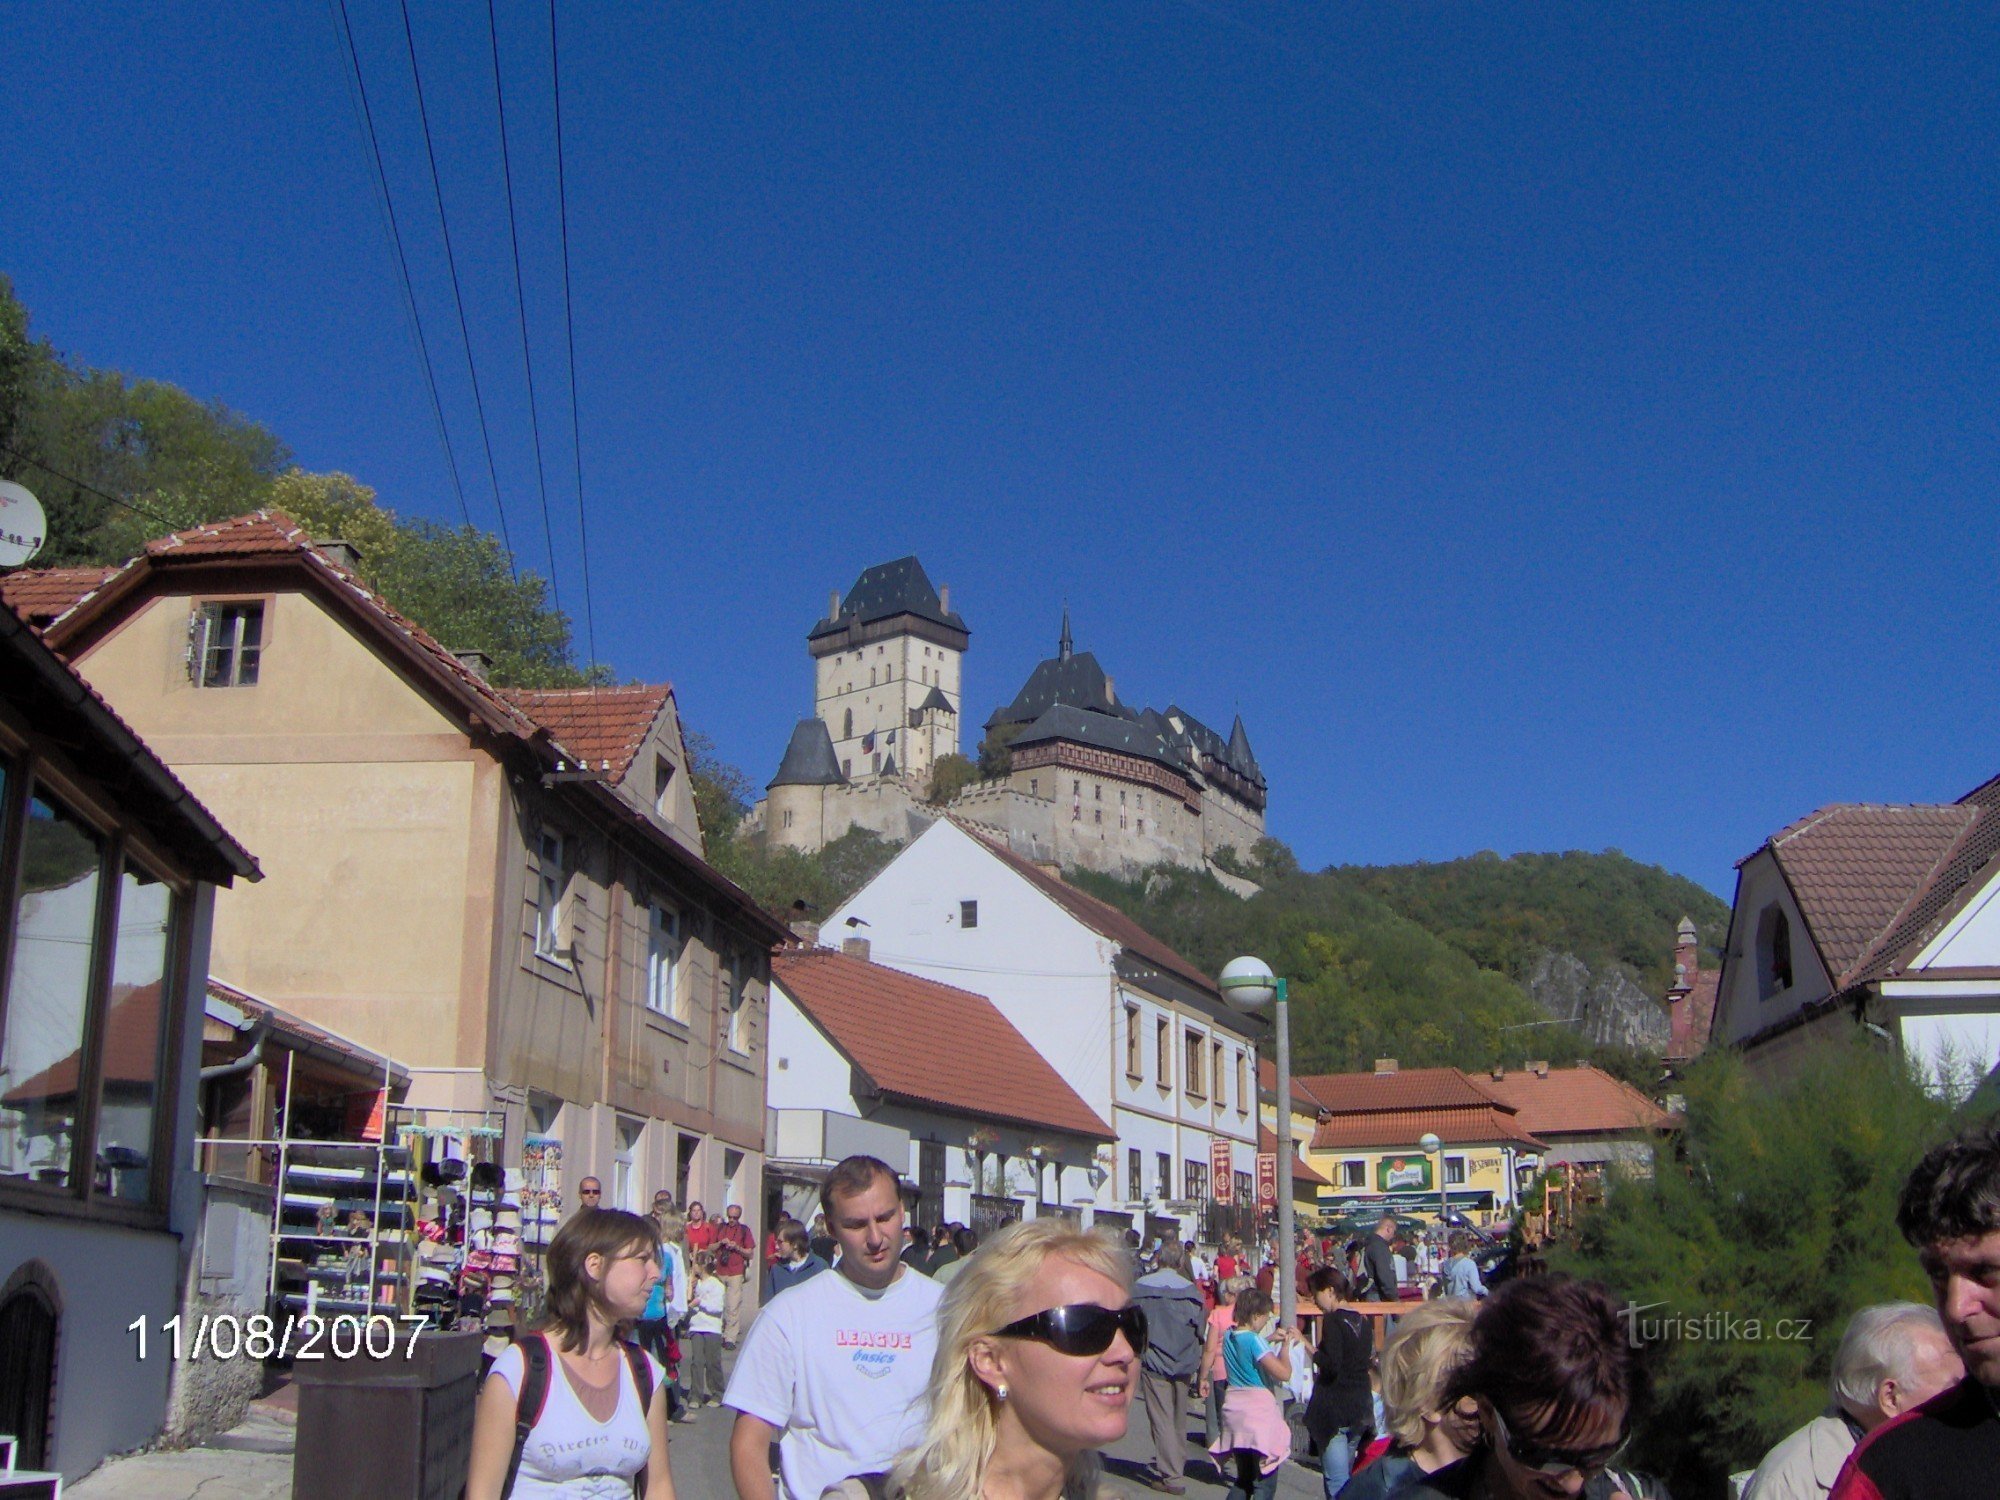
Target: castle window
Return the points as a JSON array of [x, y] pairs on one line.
[[1034, 786], [1121, 796], [878, 762], [871, 677], [1142, 825], [1097, 816], [927, 651], [788, 817], [847, 725], [1076, 787], [1097, 792], [847, 768]]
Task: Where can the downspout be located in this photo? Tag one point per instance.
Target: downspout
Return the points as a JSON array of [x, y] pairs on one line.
[[247, 1061]]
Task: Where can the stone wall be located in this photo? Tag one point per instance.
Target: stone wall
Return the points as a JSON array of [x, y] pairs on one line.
[[227, 1276]]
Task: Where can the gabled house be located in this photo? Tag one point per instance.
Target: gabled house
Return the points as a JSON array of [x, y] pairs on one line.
[[503, 890], [1368, 1140], [1143, 1036], [984, 1121], [1582, 1115], [1883, 916], [110, 867]]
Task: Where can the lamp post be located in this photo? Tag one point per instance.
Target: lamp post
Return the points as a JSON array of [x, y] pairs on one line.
[[1435, 1147], [1249, 985]]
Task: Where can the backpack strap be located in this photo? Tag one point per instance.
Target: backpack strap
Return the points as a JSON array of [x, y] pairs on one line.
[[642, 1382], [533, 1395]]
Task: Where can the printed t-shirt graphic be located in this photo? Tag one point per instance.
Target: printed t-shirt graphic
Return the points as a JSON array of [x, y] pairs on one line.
[[842, 1372]]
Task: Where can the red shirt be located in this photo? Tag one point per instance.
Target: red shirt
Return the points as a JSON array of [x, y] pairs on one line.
[[1225, 1267], [735, 1244], [700, 1236]]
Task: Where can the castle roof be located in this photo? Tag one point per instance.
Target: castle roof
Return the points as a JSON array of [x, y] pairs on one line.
[[885, 591], [1241, 755], [1200, 740], [1125, 736], [809, 758], [1072, 680], [935, 698]]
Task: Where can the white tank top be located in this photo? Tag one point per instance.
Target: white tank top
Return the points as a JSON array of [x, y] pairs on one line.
[[570, 1455]]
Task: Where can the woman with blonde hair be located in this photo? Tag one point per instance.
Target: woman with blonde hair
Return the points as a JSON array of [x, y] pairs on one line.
[[595, 1405], [1428, 1431], [1038, 1356]]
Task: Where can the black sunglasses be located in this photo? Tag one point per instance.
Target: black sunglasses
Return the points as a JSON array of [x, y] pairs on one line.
[[1081, 1328], [1555, 1463]]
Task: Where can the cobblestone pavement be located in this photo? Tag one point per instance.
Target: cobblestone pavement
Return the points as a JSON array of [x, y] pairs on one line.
[[254, 1462]]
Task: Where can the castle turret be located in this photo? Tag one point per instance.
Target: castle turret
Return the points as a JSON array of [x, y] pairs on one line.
[[881, 655], [795, 798]]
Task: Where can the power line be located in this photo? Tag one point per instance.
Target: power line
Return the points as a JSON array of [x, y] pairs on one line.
[[458, 296], [521, 303], [569, 325], [339, 12], [88, 488]]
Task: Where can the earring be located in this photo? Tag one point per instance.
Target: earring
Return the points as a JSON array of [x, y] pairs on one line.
[[1000, 1392]]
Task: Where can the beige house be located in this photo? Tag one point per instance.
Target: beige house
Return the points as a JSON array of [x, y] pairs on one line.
[[502, 890]]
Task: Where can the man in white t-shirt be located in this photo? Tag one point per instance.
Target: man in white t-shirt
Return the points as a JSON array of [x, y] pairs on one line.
[[835, 1367]]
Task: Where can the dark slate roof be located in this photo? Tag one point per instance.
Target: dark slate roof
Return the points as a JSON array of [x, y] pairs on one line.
[[1070, 681], [1126, 736], [1202, 740], [809, 758], [885, 591], [935, 698], [1241, 755]]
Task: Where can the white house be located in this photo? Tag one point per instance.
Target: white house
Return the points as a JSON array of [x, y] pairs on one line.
[[1880, 915], [1142, 1035], [979, 1123]]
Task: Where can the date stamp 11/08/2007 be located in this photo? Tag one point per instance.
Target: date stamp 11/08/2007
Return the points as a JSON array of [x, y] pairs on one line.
[[260, 1336]]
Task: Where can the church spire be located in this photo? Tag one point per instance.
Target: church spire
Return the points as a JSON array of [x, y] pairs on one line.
[[1065, 648]]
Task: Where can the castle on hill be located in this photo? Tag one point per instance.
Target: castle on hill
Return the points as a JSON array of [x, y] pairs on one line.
[[1087, 781]]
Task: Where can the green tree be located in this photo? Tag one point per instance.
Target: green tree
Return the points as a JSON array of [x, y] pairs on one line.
[[995, 759], [722, 793], [951, 775], [1779, 1207]]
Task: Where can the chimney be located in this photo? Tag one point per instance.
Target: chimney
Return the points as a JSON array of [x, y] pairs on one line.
[[343, 553], [833, 604], [855, 947], [1384, 1066], [1539, 1066], [944, 600], [1110, 688], [806, 931], [1499, 1073], [475, 661]]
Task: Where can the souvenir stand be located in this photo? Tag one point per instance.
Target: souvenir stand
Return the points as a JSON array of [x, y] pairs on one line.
[[468, 1251]]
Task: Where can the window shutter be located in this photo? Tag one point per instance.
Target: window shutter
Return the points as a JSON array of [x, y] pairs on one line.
[[197, 641]]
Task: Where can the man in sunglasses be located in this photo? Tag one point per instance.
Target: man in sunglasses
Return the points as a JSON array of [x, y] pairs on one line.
[[1555, 1379], [835, 1368], [590, 1193], [1949, 1447]]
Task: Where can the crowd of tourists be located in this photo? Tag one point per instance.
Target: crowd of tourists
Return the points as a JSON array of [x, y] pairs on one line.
[[890, 1366]]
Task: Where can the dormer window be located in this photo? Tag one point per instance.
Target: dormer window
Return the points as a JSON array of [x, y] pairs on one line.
[[227, 644], [663, 779], [1774, 952]]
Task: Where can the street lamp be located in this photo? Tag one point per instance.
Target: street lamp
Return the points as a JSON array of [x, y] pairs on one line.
[[1249, 985], [1435, 1147]]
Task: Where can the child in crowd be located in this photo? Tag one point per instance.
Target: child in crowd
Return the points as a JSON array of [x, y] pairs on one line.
[[703, 1351]]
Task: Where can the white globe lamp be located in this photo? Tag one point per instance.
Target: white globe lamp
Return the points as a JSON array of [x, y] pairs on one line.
[[1248, 983]]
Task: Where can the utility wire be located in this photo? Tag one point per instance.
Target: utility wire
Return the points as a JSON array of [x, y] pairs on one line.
[[458, 296], [521, 304], [338, 10], [569, 324], [91, 489]]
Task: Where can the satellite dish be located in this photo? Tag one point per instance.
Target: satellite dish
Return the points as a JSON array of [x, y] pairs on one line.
[[23, 527]]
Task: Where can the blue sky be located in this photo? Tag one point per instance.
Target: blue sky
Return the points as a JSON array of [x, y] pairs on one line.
[[1550, 427]]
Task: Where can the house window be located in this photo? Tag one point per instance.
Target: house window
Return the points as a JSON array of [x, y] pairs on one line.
[[1221, 1088], [1242, 1081], [1135, 1057], [968, 914], [552, 937], [228, 644], [1163, 1054], [663, 780], [1163, 1174], [663, 961], [1354, 1174], [735, 1003], [1196, 1176], [625, 1176], [1454, 1171], [1196, 1081], [1135, 1176], [1774, 952], [1243, 1188]]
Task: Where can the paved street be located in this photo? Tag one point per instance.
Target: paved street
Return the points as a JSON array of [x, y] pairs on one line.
[[254, 1462]]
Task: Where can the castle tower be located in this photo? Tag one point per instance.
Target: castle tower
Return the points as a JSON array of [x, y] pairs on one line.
[[887, 662], [795, 811]]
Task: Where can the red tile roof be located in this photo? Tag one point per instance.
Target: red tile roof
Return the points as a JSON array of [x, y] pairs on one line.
[[1302, 1171], [602, 726], [1577, 1101], [1267, 1083], [132, 1050], [40, 595], [930, 1043], [1100, 917], [1484, 1126], [1407, 1088], [1854, 866]]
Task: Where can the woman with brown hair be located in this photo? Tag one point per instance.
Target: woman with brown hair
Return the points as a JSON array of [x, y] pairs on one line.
[[599, 1425]]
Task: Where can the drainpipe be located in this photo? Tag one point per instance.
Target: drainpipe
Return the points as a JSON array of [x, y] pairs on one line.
[[247, 1061]]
